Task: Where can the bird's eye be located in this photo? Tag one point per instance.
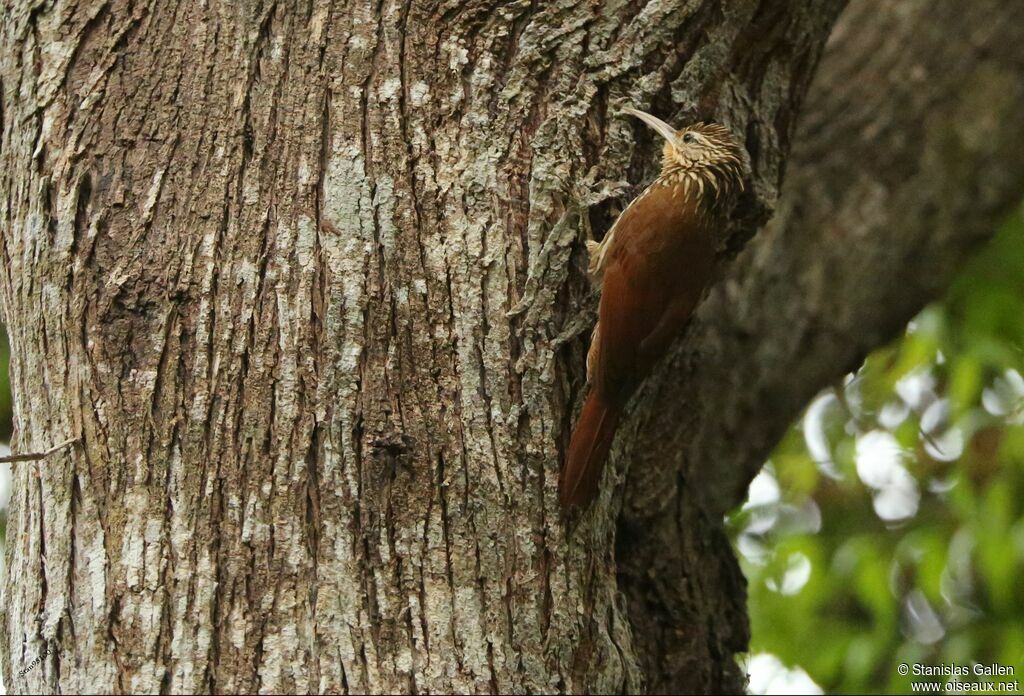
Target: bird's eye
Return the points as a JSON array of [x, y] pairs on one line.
[[689, 139]]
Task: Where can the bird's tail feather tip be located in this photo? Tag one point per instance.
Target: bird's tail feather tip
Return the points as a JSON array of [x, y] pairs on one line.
[[588, 451]]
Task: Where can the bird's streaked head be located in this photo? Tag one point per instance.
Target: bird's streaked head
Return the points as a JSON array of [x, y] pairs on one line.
[[704, 152]]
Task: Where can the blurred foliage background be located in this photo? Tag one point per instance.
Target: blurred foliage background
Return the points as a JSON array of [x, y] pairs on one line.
[[887, 527]]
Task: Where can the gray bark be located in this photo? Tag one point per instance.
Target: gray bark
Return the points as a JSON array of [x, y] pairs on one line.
[[308, 285]]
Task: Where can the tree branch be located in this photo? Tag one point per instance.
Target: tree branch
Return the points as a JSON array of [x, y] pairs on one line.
[[903, 164], [35, 456]]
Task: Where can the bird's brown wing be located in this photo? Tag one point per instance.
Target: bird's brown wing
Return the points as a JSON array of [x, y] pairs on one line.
[[631, 307], [654, 270], [661, 262], [614, 369]]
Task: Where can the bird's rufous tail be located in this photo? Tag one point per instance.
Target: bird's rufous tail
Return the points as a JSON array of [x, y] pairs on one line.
[[588, 450]]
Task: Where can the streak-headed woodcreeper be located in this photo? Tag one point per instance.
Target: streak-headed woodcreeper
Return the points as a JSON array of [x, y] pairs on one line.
[[653, 266]]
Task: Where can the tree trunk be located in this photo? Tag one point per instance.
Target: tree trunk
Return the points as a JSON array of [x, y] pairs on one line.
[[906, 159], [307, 286]]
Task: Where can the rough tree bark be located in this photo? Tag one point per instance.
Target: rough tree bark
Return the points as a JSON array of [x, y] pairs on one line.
[[906, 159], [307, 284]]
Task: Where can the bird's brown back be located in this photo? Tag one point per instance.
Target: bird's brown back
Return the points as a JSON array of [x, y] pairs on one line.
[[661, 257]]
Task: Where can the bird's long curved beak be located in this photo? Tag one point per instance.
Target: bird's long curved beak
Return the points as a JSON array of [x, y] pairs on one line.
[[666, 131]]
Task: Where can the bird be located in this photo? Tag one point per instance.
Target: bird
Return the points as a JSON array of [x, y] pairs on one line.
[[653, 266]]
